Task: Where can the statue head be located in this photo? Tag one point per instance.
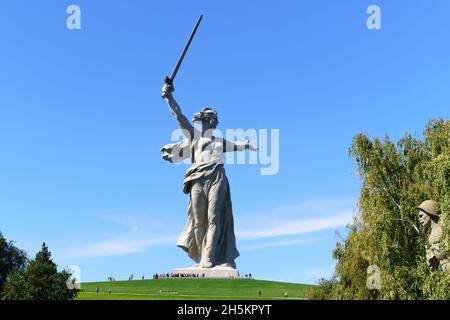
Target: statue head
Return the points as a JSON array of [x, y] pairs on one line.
[[428, 212], [208, 118]]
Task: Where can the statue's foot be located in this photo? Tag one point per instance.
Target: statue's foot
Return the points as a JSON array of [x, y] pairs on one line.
[[207, 265], [196, 265], [228, 265]]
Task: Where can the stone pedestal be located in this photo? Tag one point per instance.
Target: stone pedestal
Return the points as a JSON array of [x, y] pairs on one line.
[[216, 272]]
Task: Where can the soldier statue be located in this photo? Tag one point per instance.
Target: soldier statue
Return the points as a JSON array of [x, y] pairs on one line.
[[436, 254]]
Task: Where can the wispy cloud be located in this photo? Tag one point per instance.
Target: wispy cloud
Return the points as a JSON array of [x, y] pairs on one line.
[[310, 207], [117, 247], [277, 244], [297, 226], [315, 205], [275, 222], [133, 220]]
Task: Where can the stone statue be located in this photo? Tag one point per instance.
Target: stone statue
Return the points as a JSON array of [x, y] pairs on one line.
[[429, 217], [208, 237]]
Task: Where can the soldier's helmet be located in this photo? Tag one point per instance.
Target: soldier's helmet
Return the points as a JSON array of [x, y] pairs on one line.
[[430, 207]]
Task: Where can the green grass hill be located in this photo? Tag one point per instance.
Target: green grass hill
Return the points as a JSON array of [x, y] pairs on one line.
[[196, 289]]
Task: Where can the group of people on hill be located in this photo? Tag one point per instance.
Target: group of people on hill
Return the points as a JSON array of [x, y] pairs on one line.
[[188, 275], [131, 277], [174, 275]]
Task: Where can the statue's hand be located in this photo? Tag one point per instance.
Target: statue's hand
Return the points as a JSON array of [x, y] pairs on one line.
[[167, 90], [249, 146]]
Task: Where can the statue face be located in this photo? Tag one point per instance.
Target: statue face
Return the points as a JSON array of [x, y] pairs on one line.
[[210, 123], [424, 219], [214, 122]]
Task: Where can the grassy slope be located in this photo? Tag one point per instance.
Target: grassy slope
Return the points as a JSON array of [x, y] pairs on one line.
[[191, 289]]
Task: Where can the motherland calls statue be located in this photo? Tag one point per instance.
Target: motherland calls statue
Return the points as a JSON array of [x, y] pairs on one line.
[[429, 217], [208, 237]]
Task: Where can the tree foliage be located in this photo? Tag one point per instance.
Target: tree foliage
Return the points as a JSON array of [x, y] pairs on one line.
[[11, 259], [40, 280], [395, 179]]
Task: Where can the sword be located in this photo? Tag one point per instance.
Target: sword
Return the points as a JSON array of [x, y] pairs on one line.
[[180, 60]]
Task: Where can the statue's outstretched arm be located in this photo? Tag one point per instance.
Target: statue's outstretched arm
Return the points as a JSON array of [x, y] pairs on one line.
[[231, 146], [182, 121]]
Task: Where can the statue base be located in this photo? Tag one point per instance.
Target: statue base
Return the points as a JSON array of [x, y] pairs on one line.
[[216, 273]]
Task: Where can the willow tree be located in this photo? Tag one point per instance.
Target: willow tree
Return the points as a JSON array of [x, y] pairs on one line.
[[395, 178]]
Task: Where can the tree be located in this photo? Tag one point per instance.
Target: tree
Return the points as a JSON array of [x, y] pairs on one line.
[[40, 280], [395, 179], [18, 286], [11, 259]]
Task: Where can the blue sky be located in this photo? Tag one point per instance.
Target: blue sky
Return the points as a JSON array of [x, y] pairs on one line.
[[82, 121]]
